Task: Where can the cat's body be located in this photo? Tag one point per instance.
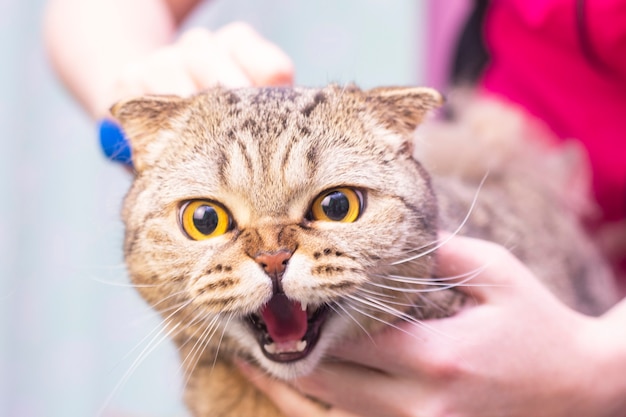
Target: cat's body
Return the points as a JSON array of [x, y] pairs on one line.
[[273, 223]]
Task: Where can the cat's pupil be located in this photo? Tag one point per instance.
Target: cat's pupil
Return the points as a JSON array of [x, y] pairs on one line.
[[336, 205], [205, 219]]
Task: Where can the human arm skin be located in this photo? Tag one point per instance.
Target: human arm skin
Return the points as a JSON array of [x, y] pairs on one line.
[[106, 50], [517, 351]]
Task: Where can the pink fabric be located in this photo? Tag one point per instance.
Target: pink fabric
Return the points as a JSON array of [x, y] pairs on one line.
[[445, 18], [571, 73]]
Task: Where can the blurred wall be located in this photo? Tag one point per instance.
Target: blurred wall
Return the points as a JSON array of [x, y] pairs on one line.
[[73, 335]]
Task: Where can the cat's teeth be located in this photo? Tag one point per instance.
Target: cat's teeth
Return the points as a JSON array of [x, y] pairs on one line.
[[304, 306], [273, 348], [301, 345]]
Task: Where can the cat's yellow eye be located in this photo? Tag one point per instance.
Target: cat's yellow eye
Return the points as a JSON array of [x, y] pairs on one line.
[[337, 205], [201, 219]]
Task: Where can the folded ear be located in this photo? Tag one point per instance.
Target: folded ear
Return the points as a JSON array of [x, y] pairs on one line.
[[146, 122], [402, 109]]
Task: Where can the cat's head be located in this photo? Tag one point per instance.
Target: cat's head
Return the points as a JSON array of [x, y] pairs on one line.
[[278, 220]]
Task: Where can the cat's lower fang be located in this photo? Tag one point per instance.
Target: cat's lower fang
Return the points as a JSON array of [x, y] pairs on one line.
[[285, 347]]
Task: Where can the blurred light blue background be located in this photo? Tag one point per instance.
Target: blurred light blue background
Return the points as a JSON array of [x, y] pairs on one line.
[[70, 327]]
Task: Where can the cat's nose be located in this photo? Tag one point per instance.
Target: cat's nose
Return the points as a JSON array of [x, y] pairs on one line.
[[274, 265]]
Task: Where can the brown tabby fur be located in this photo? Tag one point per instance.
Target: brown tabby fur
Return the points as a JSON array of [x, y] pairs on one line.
[[266, 153]]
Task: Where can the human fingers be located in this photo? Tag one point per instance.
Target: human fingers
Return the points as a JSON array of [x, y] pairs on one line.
[[195, 62], [263, 62], [474, 266], [361, 390], [481, 269], [390, 351], [158, 73], [484, 271], [209, 62], [290, 402]]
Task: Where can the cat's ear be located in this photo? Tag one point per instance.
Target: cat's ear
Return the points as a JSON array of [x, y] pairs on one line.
[[402, 109], [146, 121]]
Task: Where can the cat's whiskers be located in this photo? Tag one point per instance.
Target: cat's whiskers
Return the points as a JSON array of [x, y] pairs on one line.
[[200, 317], [201, 342], [161, 336], [435, 284], [196, 352], [157, 338], [219, 343], [376, 293], [381, 306], [170, 296], [150, 312], [345, 312], [161, 325], [427, 302], [441, 242], [410, 300], [124, 284], [390, 299], [417, 280], [425, 246], [375, 318]]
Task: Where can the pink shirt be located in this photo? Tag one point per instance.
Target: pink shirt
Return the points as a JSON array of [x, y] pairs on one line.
[[569, 69]]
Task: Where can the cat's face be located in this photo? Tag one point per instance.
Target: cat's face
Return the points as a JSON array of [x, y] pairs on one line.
[[268, 220]]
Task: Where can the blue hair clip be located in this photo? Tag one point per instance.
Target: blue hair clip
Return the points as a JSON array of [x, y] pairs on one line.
[[114, 143]]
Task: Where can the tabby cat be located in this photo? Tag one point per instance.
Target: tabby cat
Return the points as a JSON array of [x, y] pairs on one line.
[[272, 223]]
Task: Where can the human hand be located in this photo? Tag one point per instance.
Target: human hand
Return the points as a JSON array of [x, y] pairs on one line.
[[233, 56], [517, 351]]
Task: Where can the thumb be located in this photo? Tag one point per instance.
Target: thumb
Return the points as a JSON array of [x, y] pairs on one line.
[[480, 268]]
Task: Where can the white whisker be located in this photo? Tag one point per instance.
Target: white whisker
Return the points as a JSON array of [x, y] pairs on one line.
[[417, 280], [157, 327], [465, 278], [376, 293], [156, 341], [385, 299], [440, 243], [123, 284], [162, 300], [378, 319], [352, 318], [380, 306], [199, 346], [219, 343], [150, 311]]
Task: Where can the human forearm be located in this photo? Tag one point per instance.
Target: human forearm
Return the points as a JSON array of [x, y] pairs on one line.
[[106, 51], [89, 42]]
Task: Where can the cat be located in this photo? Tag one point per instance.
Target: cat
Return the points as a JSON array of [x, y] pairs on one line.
[[271, 223]]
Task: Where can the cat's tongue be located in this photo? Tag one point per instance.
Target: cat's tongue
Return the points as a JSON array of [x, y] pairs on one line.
[[286, 321]]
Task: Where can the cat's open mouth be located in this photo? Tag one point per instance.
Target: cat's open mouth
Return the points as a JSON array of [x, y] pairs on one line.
[[286, 330]]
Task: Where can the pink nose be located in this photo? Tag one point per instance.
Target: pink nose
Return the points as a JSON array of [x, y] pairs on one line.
[[274, 265]]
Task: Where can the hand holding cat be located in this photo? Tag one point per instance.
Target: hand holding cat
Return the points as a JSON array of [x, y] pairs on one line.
[[475, 363], [233, 56], [131, 48]]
